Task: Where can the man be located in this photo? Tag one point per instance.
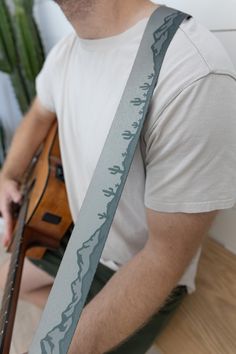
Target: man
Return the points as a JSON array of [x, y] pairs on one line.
[[183, 171]]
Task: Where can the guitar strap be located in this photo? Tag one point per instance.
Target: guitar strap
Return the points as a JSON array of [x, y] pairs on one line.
[[75, 275]]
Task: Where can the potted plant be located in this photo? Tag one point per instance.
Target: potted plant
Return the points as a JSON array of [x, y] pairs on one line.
[[21, 52]]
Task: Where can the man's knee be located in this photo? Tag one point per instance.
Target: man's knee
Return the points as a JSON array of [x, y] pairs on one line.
[[33, 278], [3, 274]]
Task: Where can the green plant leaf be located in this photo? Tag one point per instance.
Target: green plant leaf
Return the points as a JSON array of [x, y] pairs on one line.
[[21, 50], [29, 48], [20, 89], [7, 36]]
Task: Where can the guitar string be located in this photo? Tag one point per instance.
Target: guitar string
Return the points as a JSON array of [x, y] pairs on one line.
[[16, 247], [16, 250], [29, 187], [6, 304], [7, 307], [15, 253]]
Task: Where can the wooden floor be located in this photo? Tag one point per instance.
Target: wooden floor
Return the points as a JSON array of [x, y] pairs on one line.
[[204, 324]]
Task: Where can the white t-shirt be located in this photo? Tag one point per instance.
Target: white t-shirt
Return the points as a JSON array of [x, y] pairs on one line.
[[186, 159]]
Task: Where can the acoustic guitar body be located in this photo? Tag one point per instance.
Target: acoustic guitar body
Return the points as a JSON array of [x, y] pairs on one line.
[[48, 216]]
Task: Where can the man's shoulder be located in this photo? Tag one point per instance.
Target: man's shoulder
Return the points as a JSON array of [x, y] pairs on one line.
[[209, 51], [62, 49], [194, 54]]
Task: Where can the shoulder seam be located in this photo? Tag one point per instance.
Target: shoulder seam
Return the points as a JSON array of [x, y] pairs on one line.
[[202, 56], [183, 88], [197, 49]]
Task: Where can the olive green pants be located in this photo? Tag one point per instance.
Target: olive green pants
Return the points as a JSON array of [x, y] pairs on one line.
[[143, 339]]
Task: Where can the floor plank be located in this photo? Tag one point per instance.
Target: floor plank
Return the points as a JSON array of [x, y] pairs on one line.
[[206, 322]]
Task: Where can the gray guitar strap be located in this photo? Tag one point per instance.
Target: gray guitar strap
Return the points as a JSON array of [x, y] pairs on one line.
[[75, 275]]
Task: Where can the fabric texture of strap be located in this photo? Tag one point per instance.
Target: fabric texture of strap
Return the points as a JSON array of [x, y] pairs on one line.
[[75, 275]]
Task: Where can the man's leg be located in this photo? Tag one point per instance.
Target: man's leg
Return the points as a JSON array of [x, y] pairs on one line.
[[35, 284], [38, 274]]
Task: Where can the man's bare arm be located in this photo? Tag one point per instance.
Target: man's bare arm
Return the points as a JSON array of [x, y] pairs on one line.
[[140, 288], [28, 137]]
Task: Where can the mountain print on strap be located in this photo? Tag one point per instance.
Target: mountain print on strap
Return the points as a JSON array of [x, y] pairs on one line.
[[75, 275]]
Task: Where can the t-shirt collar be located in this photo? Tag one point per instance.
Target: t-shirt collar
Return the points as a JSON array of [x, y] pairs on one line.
[[114, 41]]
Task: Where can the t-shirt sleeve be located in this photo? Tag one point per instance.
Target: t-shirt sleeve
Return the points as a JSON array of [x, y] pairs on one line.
[[48, 80], [191, 149], [44, 80]]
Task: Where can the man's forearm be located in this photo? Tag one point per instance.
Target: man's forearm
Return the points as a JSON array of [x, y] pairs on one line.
[[140, 288], [126, 303], [28, 137]]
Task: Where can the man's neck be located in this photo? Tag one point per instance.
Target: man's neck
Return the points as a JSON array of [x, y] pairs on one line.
[[94, 19]]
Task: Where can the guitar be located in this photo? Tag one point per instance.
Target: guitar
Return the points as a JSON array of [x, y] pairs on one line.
[[43, 220]]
